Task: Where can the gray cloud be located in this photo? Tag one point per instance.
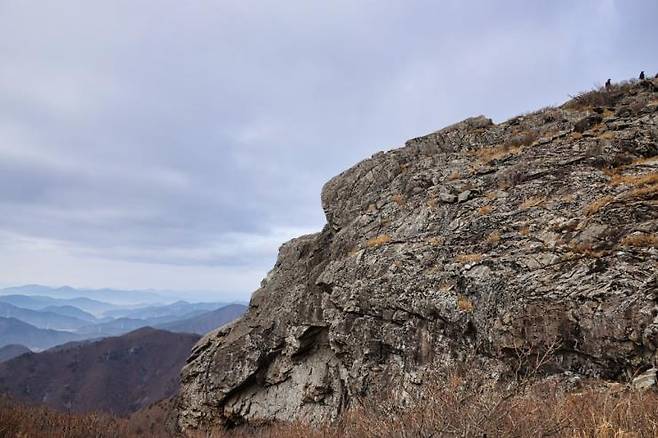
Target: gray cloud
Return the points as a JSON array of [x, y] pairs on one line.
[[139, 139]]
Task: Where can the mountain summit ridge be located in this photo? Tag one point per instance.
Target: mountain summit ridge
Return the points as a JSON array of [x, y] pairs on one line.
[[481, 243]]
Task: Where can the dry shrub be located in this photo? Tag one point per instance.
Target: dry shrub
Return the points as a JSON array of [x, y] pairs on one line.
[[19, 420], [457, 405], [468, 258], [599, 97], [649, 240], [524, 230], [380, 240], [436, 241], [596, 205]]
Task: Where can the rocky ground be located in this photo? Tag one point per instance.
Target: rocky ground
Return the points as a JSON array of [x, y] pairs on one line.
[[529, 246]]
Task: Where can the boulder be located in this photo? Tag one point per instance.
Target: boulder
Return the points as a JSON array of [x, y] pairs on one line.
[[541, 266]]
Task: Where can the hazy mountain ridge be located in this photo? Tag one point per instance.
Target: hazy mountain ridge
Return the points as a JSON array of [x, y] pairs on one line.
[[40, 302], [15, 331], [41, 318], [72, 311], [79, 318], [150, 312], [118, 374], [205, 322], [113, 296]]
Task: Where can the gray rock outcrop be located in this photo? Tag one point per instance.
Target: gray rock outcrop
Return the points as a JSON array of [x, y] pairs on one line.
[[479, 243]]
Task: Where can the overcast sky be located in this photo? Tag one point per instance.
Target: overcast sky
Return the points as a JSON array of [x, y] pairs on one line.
[[176, 144]]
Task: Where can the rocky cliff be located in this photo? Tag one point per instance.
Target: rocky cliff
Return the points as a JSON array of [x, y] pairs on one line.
[[480, 243]]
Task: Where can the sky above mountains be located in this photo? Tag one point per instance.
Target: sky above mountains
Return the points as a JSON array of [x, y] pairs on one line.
[[175, 145]]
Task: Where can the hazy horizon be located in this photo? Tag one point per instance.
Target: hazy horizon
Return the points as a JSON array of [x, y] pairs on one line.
[[167, 295], [172, 146]]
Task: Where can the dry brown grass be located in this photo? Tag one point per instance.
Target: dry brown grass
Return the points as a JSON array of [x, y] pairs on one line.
[[512, 146], [436, 241], [493, 238], [468, 258], [596, 205], [380, 240], [18, 420], [454, 405], [635, 180], [647, 240], [465, 304], [448, 404], [524, 230], [487, 155], [650, 191], [485, 209]]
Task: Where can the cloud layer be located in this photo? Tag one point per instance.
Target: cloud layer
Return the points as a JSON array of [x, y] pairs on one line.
[[173, 144]]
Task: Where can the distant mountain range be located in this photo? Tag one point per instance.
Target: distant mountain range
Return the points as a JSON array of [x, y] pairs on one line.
[[202, 324], [113, 296], [118, 375], [72, 311], [40, 302], [14, 331], [41, 321], [43, 329], [41, 318], [150, 312]]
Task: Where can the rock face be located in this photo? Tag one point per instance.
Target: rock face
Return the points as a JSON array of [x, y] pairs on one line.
[[480, 243]]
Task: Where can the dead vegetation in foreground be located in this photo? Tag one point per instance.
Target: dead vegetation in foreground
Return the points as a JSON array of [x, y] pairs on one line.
[[453, 406], [18, 420], [456, 411]]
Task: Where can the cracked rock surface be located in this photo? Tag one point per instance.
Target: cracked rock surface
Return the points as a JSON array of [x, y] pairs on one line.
[[471, 244]]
